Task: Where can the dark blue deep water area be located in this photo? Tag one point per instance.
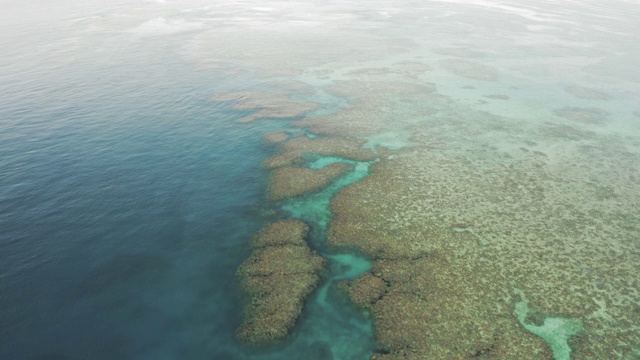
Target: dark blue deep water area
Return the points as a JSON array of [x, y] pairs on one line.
[[125, 208], [128, 198]]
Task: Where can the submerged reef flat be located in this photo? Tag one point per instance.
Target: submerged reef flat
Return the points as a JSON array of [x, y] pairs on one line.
[[586, 93], [505, 231], [588, 116], [275, 137], [481, 247], [459, 237], [363, 117], [291, 181], [463, 229], [278, 276], [297, 150], [266, 104]]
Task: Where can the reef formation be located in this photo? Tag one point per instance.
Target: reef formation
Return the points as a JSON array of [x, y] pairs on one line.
[[491, 235], [292, 181], [278, 276], [275, 137], [301, 149], [462, 230], [271, 105]]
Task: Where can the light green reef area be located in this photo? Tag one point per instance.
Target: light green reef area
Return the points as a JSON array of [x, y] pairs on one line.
[[555, 331]]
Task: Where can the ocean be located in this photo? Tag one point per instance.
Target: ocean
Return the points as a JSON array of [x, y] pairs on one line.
[[128, 197]]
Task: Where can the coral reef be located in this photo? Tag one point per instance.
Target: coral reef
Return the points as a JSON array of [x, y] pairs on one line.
[[459, 222], [276, 137], [291, 181], [454, 235], [266, 104], [363, 117], [296, 151], [464, 221], [278, 276], [367, 289]]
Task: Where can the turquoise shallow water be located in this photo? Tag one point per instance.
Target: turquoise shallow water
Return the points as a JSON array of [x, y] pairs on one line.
[[330, 319]]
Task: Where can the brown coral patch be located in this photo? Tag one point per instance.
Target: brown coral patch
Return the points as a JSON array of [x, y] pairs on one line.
[[283, 232], [291, 181], [275, 307], [278, 276], [358, 120], [275, 137], [586, 93], [267, 105], [588, 116], [367, 289], [293, 152], [281, 260]]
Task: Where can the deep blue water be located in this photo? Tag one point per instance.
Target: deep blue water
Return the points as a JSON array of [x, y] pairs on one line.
[[124, 214], [127, 199], [108, 224]]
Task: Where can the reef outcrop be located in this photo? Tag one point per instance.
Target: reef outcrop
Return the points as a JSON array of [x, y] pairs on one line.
[[278, 276], [275, 137], [366, 290], [270, 105], [296, 151], [292, 181]]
